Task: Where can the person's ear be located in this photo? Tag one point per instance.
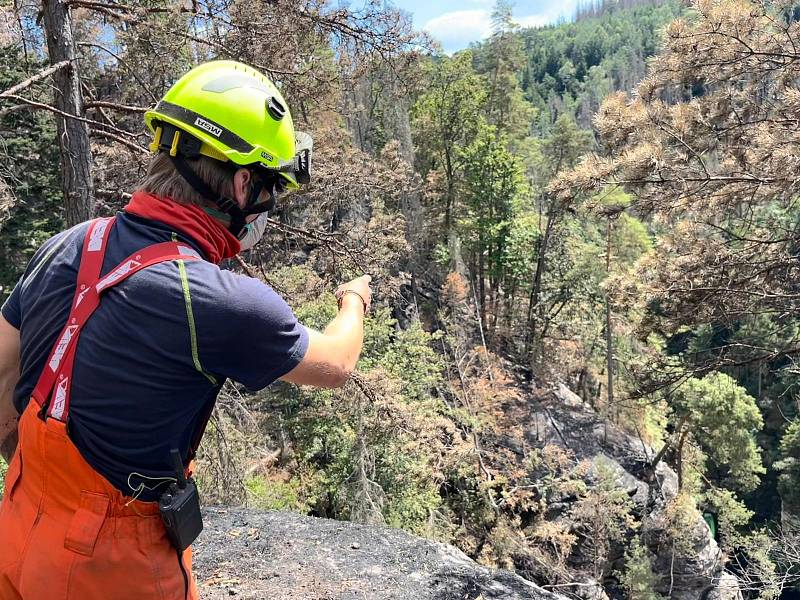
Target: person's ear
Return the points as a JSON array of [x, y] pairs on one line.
[[241, 187]]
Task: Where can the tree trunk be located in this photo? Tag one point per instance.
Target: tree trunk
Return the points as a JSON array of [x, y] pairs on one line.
[[511, 298], [534, 309], [609, 332], [681, 444], [481, 282], [668, 443], [448, 164], [73, 135]]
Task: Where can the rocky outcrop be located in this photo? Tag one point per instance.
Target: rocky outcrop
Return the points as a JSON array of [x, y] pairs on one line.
[[284, 556], [561, 418]]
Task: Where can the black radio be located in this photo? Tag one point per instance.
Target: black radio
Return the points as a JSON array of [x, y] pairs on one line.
[[180, 508]]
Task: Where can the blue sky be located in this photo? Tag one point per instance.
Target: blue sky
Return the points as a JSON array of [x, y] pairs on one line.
[[456, 23]]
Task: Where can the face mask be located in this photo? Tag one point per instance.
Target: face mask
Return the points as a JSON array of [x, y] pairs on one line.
[[253, 232]]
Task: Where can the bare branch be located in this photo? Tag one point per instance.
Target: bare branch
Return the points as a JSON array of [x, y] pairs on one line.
[[114, 6], [114, 106], [329, 240], [31, 80], [114, 133], [52, 109], [124, 63], [133, 146]]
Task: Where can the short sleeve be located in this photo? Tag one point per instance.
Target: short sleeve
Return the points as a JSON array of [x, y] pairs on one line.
[[12, 308], [251, 336]]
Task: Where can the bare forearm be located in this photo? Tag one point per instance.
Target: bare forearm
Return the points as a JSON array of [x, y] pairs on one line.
[[9, 445], [9, 418], [331, 356], [348, 329], [9, 375]]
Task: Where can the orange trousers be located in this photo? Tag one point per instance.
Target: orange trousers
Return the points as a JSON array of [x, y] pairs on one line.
[[66, 533]]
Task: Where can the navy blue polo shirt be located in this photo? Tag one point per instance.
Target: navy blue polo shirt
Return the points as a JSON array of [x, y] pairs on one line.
[[152, 359]]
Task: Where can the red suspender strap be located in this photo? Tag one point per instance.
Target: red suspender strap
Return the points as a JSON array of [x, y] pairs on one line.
[[94, 249], [58, 369]]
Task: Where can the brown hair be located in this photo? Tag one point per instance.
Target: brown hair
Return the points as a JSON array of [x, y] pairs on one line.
[[162, 179]]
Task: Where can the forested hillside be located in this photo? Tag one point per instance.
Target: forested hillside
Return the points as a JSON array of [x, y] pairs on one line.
[[572, 67], [583, 240]]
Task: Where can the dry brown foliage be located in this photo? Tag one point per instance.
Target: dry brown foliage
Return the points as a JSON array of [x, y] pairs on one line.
[[709, 146]]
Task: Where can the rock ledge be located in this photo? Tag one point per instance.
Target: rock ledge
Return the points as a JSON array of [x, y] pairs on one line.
[[284, 556]]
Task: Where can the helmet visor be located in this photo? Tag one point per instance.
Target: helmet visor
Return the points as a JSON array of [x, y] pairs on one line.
[[299, 167], [271, 186]]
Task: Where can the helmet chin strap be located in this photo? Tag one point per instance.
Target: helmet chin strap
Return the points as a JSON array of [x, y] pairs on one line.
[[238, 216]]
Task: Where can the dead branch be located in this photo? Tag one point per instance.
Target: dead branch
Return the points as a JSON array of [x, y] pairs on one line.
[[113, 6], [248, 269], [127, 143], [245, 267], [330, 240], [113, 194], [53, 109], [106, 8], [114, 106], [361, 383], [31, 80], [124, 63], [101, 129], [13, 109], [89, 94]]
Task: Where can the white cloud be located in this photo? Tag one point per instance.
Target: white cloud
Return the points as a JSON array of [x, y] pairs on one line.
[[457, 29], [533, 20], [561, 10]]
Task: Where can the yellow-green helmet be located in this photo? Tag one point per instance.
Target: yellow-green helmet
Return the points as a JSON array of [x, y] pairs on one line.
[[237, 114]]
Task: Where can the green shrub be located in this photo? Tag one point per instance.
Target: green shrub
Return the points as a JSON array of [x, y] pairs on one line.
[[638, 579], [789, 465], [275, 495]]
